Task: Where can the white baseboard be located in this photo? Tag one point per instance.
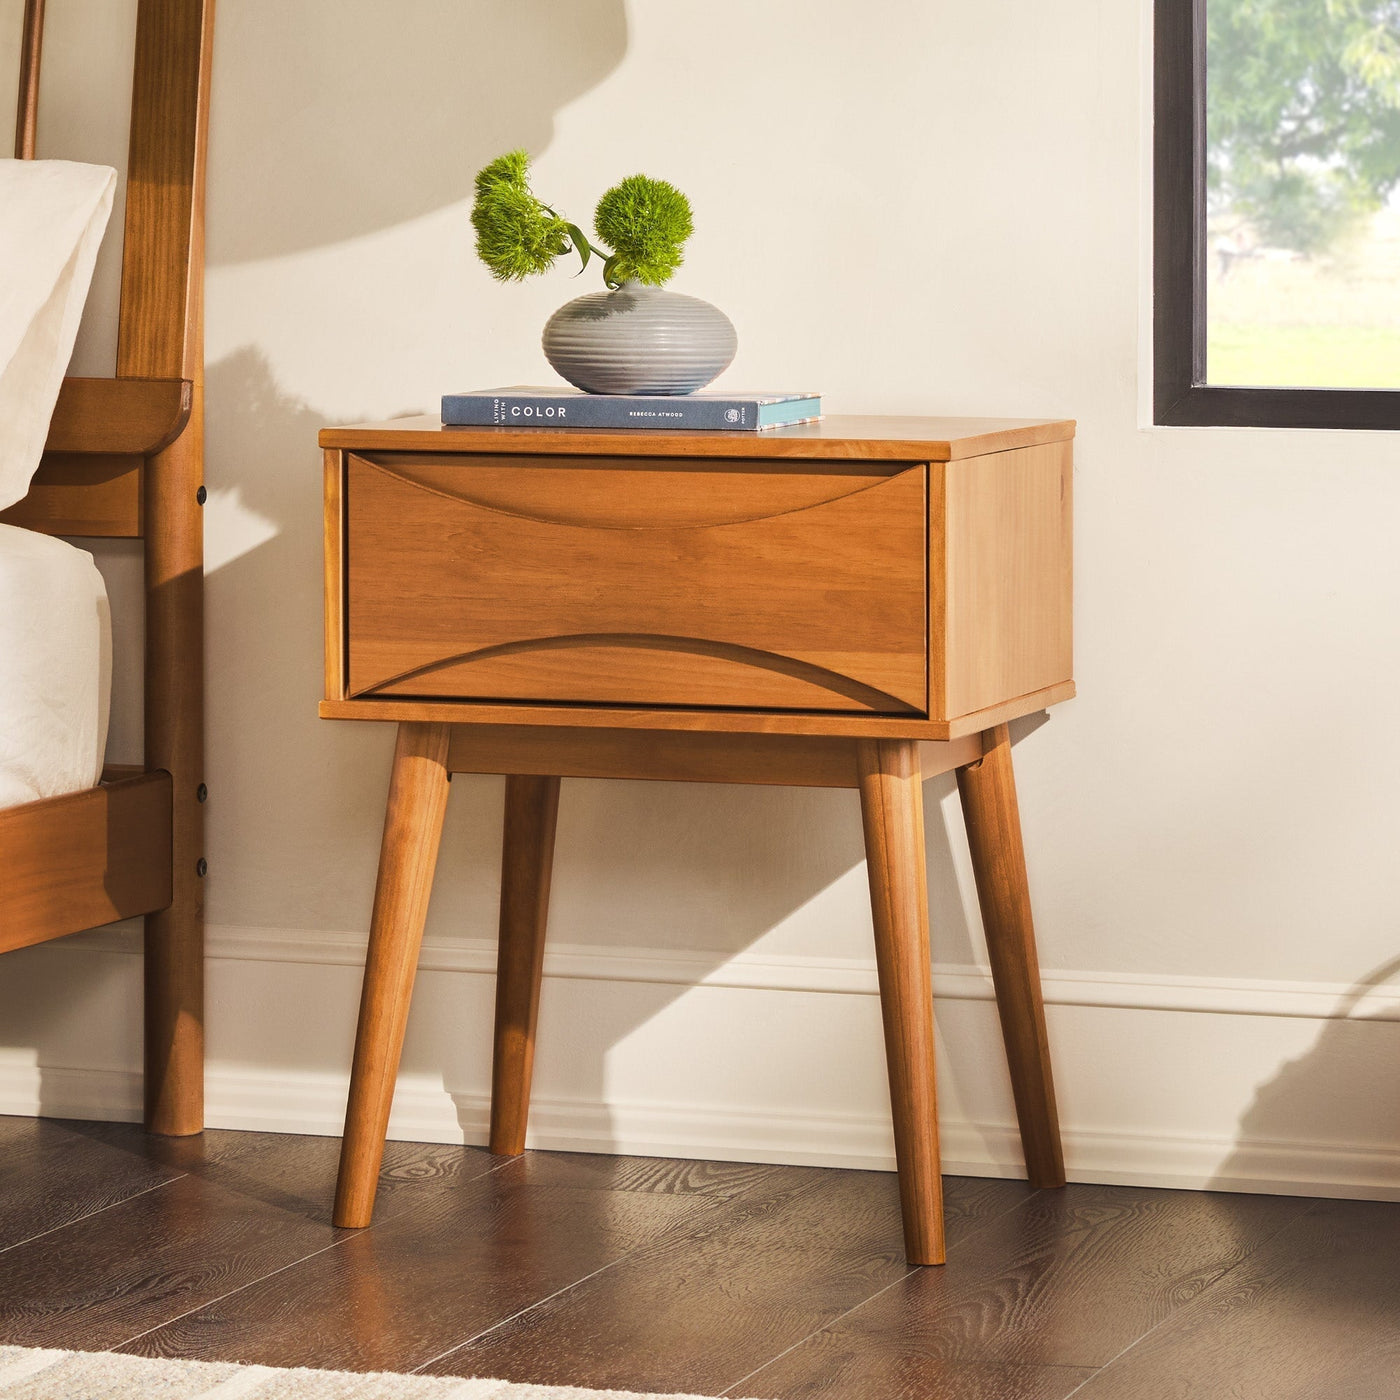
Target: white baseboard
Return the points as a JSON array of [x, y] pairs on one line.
[[293, 1101], [1193, 1074], [1322, 1001]]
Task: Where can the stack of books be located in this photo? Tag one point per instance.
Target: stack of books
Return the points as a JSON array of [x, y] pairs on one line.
[[523, 407]]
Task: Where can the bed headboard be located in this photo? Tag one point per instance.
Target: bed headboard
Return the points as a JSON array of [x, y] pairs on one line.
[[124, 453], [125, 457]]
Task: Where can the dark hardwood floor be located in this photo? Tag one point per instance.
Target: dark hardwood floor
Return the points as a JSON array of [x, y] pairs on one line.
[[717, 1278]]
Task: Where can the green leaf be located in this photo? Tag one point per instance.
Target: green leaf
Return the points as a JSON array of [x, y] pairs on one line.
[[582, 246]]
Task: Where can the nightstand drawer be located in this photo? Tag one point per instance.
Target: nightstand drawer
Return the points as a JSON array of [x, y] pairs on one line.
[[756, 585]]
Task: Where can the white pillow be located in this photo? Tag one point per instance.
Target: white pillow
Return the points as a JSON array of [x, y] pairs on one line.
[[52, 217]]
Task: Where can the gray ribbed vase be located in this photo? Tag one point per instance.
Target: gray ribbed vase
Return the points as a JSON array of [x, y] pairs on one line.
[[639, 340]]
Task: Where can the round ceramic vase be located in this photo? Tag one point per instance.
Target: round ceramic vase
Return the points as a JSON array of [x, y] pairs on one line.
[[639, 340]]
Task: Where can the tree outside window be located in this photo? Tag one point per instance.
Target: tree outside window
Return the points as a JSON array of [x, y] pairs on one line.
[[1302, 165]]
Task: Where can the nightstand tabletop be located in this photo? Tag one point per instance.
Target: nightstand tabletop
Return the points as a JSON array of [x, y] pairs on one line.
[[887, 438]]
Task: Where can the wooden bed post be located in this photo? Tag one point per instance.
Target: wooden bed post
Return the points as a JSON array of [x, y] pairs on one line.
[[31, 47], [161, 335]]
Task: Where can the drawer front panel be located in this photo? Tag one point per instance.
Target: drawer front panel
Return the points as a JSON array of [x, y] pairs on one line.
[[640, 583]]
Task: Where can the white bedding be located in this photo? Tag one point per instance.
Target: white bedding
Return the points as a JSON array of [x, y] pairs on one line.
[[55, 633], [55, 667]]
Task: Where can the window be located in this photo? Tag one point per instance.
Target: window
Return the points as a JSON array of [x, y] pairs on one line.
[[1277, 213]]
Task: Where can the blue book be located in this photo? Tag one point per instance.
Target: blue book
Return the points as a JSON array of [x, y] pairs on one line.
[[523, 407]]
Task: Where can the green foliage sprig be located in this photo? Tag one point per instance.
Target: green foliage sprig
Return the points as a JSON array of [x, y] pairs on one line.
[[644, 222]]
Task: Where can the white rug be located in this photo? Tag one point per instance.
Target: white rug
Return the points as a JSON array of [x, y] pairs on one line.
[[28, 1374]]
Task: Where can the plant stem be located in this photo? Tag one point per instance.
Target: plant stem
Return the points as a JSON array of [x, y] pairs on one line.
[[585, 250]]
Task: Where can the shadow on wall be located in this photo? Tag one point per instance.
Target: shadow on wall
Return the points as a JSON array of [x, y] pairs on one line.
[[334, 118], [1341, 1098], [709, 869], [287, 791]]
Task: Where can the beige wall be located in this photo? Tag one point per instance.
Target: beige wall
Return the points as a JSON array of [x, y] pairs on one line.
[[918, 207]]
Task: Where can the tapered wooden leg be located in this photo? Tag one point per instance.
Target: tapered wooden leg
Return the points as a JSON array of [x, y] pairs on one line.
[[988, 791], [527, 856], [407, 858], [891, 801], [174, 703]]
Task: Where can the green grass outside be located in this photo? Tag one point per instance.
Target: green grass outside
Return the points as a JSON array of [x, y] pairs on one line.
[[1334, 357]]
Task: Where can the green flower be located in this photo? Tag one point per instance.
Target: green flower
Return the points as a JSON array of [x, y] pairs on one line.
[[645, 222], [517, 235]]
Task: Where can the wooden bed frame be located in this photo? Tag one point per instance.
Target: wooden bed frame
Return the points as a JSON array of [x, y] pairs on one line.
[[124, 459]]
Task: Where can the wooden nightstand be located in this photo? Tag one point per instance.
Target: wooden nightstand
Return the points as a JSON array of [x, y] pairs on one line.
[[859, 603]]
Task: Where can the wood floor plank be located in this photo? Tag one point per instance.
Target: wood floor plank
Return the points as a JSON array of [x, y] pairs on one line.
[[936, 1382], [706, 1306], [971, 1202], [52, 1175], [294, 1171], [662, 1175], [453, 1265], [1068, 1280], [242, 1206], [93, 1284], [301, 1170], [1313, 1315]]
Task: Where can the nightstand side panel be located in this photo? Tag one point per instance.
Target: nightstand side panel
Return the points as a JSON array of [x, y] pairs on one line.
[[1007, 625]]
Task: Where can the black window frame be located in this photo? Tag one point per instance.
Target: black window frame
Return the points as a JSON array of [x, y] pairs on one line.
[[1179, 391]]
